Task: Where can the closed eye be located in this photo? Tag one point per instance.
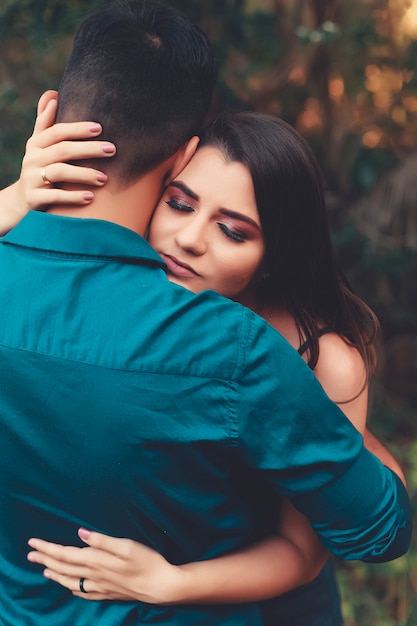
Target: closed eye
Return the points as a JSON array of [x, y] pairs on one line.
[[232, 234], [179, 206]]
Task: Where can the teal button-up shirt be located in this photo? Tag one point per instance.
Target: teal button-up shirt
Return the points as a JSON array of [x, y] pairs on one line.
[[134, 407]]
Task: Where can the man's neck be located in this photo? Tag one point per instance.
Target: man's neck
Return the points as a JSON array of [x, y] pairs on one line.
[[131, 207]]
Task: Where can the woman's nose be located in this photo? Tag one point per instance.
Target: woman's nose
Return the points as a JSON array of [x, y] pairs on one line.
[[192, 237]]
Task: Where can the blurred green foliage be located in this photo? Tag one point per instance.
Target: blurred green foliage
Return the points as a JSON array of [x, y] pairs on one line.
[[344, 73]]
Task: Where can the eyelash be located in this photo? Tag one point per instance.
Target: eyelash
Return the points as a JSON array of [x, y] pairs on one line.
[[231, 234], [227, 232], [179, 206]]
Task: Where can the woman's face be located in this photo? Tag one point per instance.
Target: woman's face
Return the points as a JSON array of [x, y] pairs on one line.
[[207, 229]]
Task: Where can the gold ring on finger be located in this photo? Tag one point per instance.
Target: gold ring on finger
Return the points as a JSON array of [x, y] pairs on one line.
[[44, 177]]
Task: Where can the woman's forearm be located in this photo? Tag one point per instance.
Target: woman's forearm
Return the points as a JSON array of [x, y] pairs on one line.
[[11, 211], [265, 570]]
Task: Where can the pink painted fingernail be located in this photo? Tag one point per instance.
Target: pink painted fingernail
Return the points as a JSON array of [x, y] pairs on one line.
[[108, 148], [88, 196], [101, 177], [84, 533], [46, 573], [30, 556], [95, 128]]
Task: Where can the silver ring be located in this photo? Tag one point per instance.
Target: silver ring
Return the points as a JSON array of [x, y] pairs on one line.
[[44, 177], [81, 584]]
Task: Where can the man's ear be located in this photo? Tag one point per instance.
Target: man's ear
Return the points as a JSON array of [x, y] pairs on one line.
[[183, 157], [45, 99]]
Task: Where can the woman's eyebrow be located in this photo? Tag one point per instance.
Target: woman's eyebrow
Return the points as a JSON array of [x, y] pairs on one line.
[[241, 217], [227, 212], [185, 189]]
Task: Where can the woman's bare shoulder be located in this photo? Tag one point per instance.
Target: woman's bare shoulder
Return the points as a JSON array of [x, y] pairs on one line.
[[342, 374], [341, 366]]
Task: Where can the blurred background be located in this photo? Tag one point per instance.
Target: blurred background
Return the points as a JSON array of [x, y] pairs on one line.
[[344, 73]]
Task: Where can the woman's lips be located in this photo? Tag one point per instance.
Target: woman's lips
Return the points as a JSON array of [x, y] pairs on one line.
[[178, 268]]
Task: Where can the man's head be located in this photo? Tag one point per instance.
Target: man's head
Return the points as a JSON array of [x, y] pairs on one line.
[[146, 74]]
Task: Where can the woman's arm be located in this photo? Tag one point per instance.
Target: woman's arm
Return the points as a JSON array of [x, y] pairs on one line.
[[47, 152], [11, 208], [267, 569], [122, 569]]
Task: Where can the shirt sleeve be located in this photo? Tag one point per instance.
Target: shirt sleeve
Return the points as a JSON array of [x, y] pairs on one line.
[[286, 427]]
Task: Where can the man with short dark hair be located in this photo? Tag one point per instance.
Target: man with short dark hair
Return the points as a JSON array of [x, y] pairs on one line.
[[134, 407]]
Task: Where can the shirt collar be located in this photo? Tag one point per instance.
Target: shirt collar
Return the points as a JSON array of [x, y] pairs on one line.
[[80, 236]]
